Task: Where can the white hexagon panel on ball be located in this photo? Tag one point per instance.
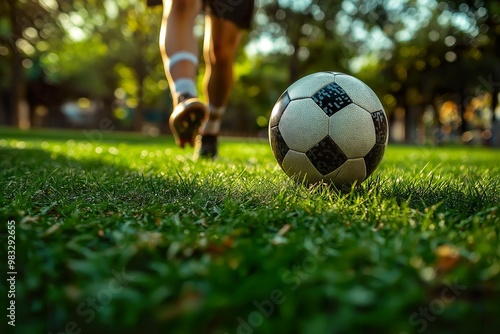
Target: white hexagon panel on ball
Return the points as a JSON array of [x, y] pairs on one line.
[[303, 124], [353, 131]]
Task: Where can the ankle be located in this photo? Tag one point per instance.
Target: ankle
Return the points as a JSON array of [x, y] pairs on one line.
[[184, 87], [213, 124]]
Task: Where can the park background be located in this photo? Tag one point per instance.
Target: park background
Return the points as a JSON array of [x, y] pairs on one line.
[[89, 64], [203, 246]]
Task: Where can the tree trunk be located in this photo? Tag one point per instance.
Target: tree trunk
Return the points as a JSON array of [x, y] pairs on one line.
[[5, 109], [494, 94], [294, 62], [462, 105], [412, 118], [139, 110], [495, 122], [140, 74], [17, 88]]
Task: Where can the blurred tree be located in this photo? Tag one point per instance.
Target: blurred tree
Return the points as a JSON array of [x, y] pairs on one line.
[[78, 46], [412, 53], [134, 40], [424, 51], [300, 38], [304, 34], [484, 43], [261, 80], [117, 49], [23, 26]]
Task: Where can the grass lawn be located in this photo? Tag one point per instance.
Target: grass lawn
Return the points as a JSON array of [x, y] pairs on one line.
[[129, 235]]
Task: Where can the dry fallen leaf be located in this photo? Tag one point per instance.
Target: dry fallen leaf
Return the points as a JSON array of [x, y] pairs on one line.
[[448, 256], [220, 248], [29, 219], [189, 301], [279, 238], [51, 230]]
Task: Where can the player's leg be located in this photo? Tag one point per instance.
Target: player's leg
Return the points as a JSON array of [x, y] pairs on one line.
[[179, 51], [222, 38], [178, 45]]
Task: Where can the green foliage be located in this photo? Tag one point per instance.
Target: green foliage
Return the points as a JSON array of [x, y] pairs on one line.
[[255, 92], [411, 53], [128, 234], [79, 43]]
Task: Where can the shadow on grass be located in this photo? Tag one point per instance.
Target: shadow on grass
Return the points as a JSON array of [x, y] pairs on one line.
[[68, 214], [92, 253], [456, 198], [86, 227]]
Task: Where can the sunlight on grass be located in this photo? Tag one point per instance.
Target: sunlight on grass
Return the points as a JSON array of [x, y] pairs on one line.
[[199, 244]]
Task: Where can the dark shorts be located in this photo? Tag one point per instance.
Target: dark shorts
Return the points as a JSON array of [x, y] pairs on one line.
[[240, 12]]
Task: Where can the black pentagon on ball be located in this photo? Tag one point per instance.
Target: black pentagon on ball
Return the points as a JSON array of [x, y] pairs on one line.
[[326, 156], [380, 123], [373, 158], [331, 98], [278, 144], [279, 108]]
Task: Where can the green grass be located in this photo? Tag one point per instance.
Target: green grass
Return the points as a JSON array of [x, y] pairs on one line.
[[129, 235]]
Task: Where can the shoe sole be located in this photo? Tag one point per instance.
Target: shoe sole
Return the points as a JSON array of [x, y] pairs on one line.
[[185, 121]]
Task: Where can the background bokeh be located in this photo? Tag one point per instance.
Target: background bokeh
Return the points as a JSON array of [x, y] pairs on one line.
[[88, 64]]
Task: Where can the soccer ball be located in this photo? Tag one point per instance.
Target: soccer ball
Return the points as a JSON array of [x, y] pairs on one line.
[[328, 127]]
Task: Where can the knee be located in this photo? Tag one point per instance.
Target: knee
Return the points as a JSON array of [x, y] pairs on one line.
[[222, 54]]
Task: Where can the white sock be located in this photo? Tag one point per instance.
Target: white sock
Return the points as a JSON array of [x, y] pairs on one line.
[[212, 126], [185, 86]]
